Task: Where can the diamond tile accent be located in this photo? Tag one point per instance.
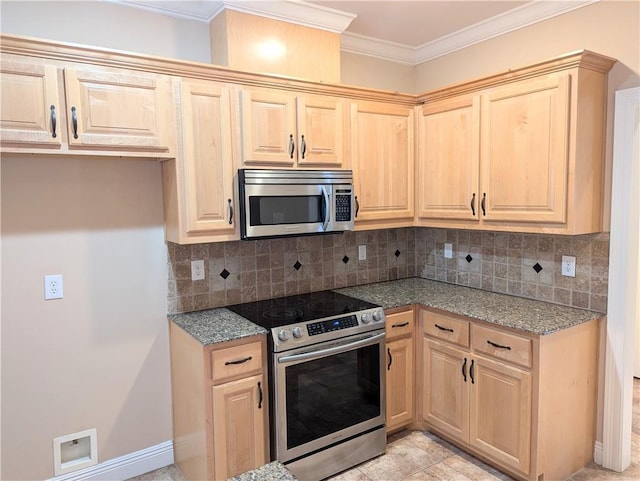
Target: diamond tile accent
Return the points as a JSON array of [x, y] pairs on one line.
[[469, 258], [345, 259], [297, 265], [397, 253], [537, 267], [225, 273]]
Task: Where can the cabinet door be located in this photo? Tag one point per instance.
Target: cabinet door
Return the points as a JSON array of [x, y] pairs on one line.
[[446, 389], [207, 157], [268, 128], [321, 127], [382, 155], [501, 412], [448, 161], [31, 103], [239, 417], [399, 383], [119, 110], [524, 157]]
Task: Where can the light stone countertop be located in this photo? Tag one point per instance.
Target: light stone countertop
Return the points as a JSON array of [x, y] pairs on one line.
[[531, 316], [219, 325], [213, 326], [269, 472]]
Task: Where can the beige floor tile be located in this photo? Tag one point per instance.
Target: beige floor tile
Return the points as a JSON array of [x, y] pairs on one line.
[[401, 460], [475, 469], [597, 473], [351, 475], [438, 472]]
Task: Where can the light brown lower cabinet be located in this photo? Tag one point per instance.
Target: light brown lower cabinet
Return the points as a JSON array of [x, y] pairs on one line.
[[400, 373], [220, 412], [524, 403]]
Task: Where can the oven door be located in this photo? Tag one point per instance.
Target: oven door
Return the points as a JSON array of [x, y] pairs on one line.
[[269, 210], [327, 393]]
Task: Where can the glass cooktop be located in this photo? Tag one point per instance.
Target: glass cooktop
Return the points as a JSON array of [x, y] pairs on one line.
[[311, 306]]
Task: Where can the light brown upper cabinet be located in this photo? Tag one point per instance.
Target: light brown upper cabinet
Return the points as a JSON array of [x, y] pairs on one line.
[[60, 107], [31, 104], [382, 158], [521, 151], [285, 130], [198, 184]]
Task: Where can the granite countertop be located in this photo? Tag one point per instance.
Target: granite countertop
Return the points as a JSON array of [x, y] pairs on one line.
[[214, 326], [535, 317], [269, 472]]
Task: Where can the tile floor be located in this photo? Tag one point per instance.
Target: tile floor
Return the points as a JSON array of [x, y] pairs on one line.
[[416, 456]]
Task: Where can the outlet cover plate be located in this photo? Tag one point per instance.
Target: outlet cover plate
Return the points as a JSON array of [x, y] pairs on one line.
[[448, 251], [197, 270], [53, 288], [362, 253], [569, 266]]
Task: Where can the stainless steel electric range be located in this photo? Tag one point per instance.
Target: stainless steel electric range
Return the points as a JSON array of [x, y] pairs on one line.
[[326, 379]]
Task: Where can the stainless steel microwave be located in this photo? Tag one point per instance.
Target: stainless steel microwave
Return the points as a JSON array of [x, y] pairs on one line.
[[275, 203]]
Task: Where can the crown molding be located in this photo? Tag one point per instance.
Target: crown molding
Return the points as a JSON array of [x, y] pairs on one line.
[[507, 22]]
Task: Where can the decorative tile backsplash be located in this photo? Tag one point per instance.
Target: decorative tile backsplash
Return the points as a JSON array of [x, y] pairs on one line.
[[525, 265], [243, 271]]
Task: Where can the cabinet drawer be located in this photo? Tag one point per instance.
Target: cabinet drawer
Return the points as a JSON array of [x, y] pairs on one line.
[[501, 345], [399, 324], [445, 327], [235, 361]]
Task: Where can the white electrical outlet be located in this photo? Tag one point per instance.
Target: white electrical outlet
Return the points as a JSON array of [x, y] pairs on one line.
[[197, 270], [53, 287], [569, 266], [362, 253], [448, 251]]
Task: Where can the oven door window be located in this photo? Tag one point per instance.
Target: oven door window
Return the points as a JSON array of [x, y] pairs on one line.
[[286, 209], [326, 395]]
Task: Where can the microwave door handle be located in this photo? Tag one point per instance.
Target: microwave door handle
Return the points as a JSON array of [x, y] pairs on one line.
[[327, 208]]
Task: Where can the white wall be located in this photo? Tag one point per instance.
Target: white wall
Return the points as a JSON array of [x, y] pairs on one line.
[[108, 25], [99, 357], [376, 73]]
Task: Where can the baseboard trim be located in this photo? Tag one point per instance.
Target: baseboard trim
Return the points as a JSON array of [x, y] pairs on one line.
[[597, 453], [125, 467]]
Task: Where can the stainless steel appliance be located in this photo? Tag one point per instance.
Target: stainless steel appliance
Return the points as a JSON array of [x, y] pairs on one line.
[[326, 379], [276, 203]]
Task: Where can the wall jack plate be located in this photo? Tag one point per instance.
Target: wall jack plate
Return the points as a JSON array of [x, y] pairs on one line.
[[197, 270], [53, 287]]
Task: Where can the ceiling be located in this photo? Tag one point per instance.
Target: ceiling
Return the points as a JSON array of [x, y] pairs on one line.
[[409, 32]]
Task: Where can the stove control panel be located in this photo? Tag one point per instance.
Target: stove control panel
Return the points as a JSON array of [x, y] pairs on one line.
[[320, 327]]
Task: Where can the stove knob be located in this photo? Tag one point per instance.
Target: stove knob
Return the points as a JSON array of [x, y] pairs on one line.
[[283, 335], [297, 332], [366, 318], [377, 315]]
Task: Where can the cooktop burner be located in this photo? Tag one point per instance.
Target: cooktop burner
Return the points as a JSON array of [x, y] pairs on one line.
[[311, 306]]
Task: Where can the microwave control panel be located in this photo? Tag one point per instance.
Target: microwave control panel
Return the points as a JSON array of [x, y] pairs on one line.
[[343, 207]]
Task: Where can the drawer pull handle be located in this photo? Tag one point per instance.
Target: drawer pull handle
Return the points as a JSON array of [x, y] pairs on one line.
[[357, 205], [401, 325], [473, 381], [303, 147], [499, 346], [53, 121], [473, 204], [390, 359], [448, 329], [483, 204], [259, 395], [464, 369], [74, 121], [239, 361]]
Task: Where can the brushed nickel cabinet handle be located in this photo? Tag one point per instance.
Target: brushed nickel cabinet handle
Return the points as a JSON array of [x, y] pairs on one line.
[[230, 208], [54, 121], [303, 147], [473, 204], [292, 146], [239, 361], [74, 121]]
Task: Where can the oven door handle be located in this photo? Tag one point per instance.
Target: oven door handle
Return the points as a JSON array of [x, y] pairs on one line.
[[327, 208], [332, 350]]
